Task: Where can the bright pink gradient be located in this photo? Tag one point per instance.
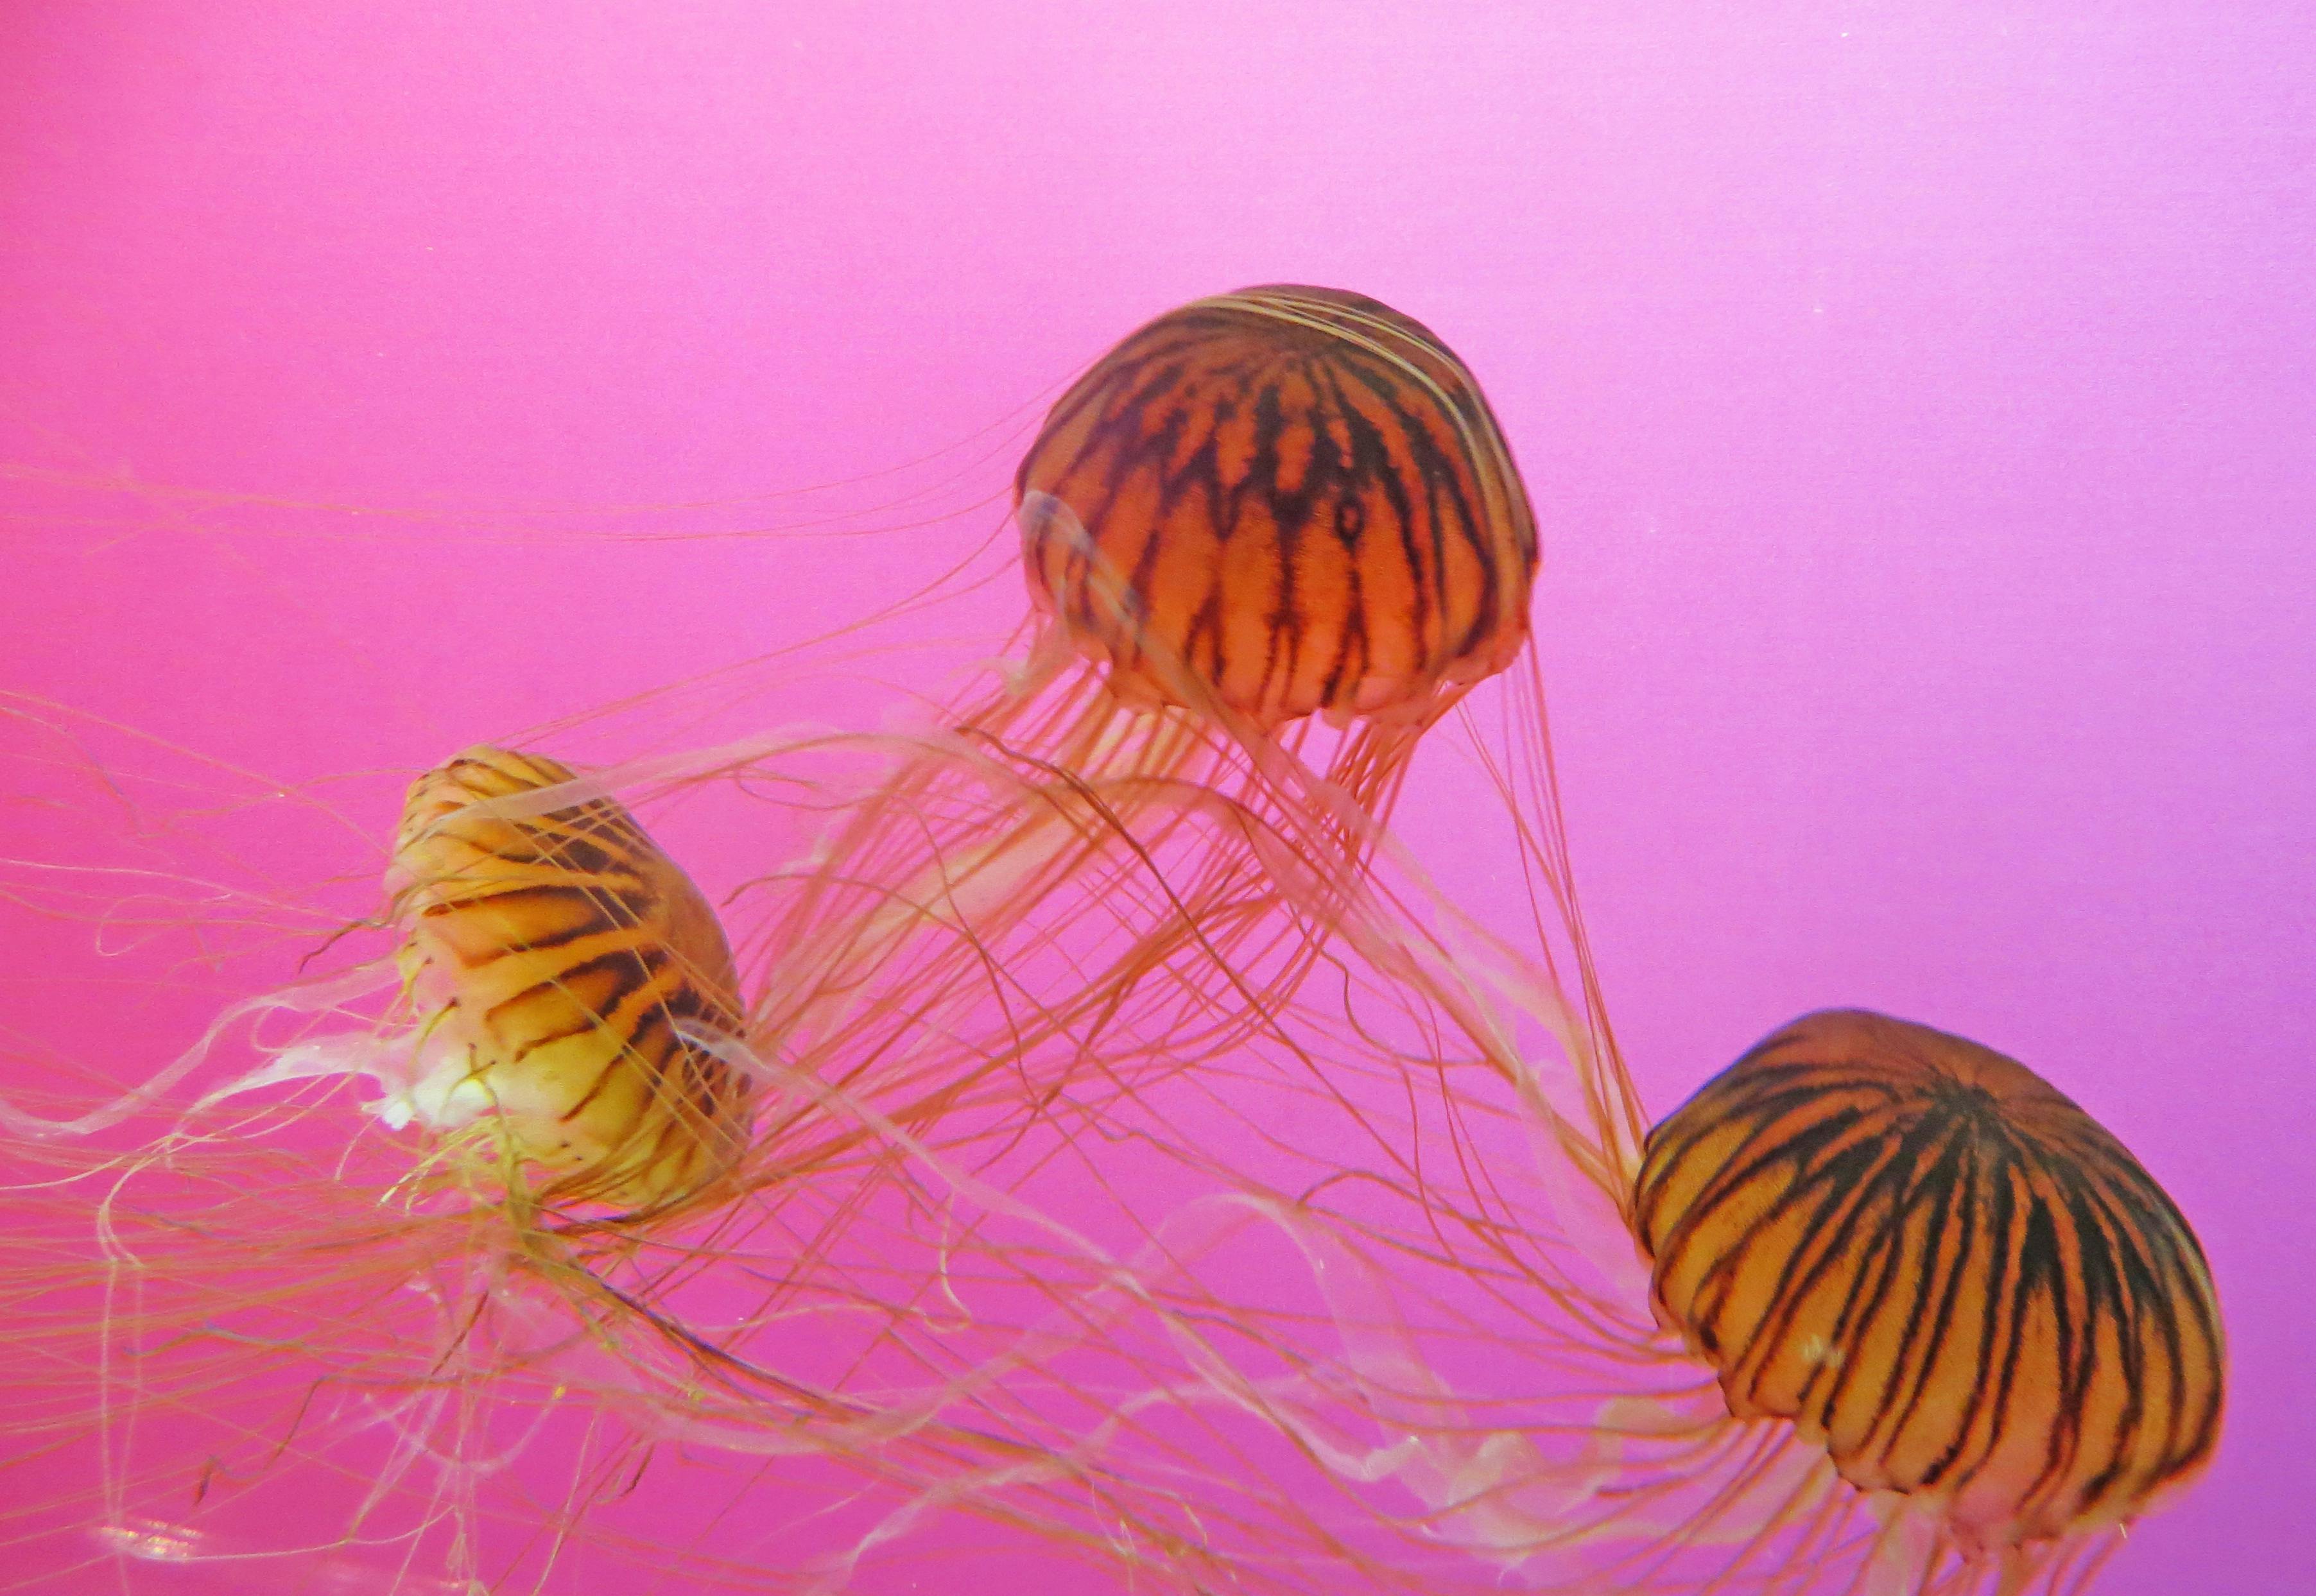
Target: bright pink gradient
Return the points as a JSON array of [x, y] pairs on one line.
[[1916, 398]]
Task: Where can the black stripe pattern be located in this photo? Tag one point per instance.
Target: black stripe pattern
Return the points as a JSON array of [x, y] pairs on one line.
[[1942, 1271], [556, 956], [1288, 500]]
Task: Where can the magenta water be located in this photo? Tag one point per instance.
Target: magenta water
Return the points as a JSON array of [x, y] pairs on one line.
[[1915, 402]]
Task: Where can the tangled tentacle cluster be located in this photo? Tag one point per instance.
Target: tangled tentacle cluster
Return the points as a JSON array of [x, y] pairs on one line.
[[1876, 1310]]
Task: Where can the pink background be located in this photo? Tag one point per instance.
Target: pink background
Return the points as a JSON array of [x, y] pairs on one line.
[[1916, 397]]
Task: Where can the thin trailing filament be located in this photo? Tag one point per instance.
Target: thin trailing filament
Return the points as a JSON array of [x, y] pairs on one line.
[[1296, 496], [560, 963], [1941, 1269]]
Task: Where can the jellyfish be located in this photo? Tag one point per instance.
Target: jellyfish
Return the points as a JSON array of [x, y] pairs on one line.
[[562, 969], [1934, 1267], [1270, 539], [551, 1236], [1877, 1311]]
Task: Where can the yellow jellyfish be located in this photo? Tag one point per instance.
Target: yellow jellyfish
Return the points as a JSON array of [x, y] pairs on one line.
[[447, 1327], [1934, 1266], [562, 969], [358, 1292], [1878, 1311]]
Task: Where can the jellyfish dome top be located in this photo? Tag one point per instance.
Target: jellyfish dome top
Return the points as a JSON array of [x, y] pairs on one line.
[[1286, 500], [1940, 1270]]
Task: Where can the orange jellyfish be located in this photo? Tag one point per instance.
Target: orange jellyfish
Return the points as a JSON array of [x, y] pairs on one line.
[[1265, 510]]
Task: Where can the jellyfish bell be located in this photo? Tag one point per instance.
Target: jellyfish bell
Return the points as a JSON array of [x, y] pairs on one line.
[[1286, 501], [1939, 1269], [562, 969]]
